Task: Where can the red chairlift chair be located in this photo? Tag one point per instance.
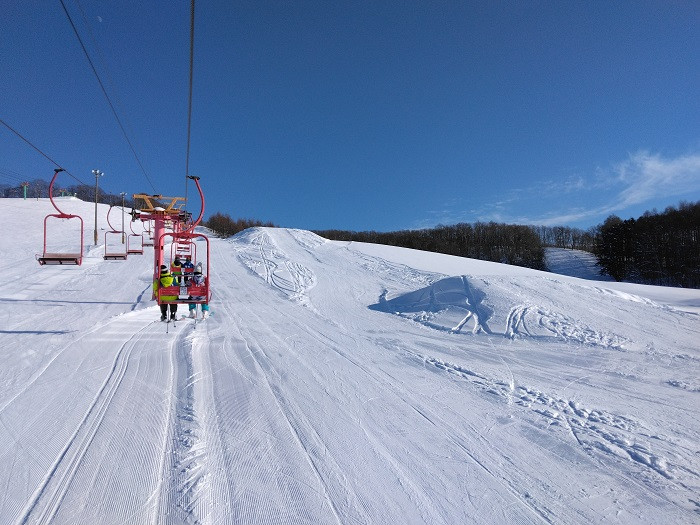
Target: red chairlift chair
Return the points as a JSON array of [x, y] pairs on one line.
[[112, 254], [58, 257], [186, 292], [134, 242]]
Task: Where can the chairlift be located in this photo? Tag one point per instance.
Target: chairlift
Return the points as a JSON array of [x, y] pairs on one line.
[[134, 242], [148, 233], [185, 291], [51, 256], [111, 251]]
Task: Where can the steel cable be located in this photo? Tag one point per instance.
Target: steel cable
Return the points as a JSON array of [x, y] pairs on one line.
[[104, 91], [189, 105]]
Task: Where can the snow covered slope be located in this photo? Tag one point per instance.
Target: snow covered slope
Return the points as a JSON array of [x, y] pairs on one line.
[[574, 263], [341, 383]]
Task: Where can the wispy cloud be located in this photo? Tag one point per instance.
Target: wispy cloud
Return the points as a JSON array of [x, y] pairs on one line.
[[646, 176], [642, 178]]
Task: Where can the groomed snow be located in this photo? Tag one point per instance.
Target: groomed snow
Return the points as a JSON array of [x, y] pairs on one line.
[[575, 263], [340, 383]]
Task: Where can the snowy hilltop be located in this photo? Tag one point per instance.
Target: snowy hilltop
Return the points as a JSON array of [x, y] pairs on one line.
[[340, 382]]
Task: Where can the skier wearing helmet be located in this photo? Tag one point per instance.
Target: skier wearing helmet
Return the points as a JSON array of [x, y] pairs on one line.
[[166, 279], [198, 280]]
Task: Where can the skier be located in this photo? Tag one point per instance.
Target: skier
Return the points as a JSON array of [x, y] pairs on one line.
[[187, 270], [166, 279], [176, 269], [198, 280]]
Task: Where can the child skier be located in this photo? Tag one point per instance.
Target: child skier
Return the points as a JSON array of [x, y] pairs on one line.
[[187, 270], [198, 280], [176, 269]]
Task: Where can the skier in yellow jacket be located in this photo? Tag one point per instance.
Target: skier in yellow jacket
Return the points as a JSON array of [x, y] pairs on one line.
[[166, 279]]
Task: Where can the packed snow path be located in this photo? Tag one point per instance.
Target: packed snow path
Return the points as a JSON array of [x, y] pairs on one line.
[[575, 263], [344, 383]]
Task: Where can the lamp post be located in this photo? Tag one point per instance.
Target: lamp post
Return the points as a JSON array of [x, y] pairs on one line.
[[97, 174], [123, 233]]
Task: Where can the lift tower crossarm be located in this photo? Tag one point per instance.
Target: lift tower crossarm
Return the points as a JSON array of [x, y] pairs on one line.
[[150, 206]]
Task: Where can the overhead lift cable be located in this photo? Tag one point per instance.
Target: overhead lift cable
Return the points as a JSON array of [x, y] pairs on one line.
[[114, 111], [11, 175], [101, 61], [13, 130], [189, 105]]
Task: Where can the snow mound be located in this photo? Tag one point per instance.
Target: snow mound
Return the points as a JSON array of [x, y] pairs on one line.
[[493, 306], [450, 304], [260, 253]]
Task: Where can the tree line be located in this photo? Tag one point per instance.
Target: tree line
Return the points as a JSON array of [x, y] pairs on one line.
[[657, 248], [504, 243], [224, 226], [566, 237], [39, 188]]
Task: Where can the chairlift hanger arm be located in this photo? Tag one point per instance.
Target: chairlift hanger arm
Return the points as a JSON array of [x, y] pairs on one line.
[[201, 211], [56, 171], [109, 223]]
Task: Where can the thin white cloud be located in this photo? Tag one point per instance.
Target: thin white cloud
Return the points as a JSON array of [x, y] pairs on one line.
[[648, 176], [572, 184], [568, 217], [643, 177]]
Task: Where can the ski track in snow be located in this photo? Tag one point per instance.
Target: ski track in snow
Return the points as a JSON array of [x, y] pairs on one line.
[[49, 495], [595, 430], [599, 433], [184, 493], [298, 426], [533, 321], [445, 306], [292, 279]]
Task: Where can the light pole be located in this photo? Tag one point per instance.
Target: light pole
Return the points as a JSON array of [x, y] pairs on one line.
[[123, 233], [97, 174]]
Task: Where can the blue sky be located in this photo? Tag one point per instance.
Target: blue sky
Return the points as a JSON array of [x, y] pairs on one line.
[[366, 114]]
